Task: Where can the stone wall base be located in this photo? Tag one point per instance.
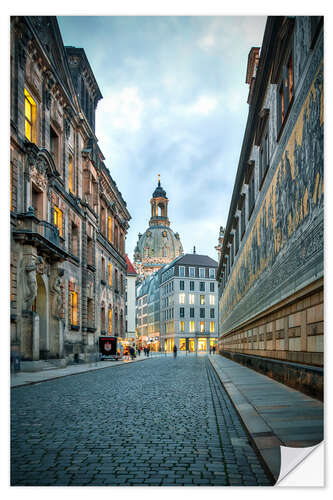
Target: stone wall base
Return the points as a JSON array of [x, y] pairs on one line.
[[304, 378]]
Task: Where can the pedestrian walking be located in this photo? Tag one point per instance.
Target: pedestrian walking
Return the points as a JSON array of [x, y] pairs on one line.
[[174, 351], [139, 351], [132, 352], [214, 349], [148, 349]]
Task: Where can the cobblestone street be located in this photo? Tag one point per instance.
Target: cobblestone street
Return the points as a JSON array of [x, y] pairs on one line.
[[158, 422]]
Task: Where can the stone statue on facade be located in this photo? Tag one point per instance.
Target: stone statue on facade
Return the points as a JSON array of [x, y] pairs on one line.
[[31, 284], [57, 292]]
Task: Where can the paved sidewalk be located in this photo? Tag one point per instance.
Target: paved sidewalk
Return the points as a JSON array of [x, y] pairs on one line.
[[25, 378], [273, 413]]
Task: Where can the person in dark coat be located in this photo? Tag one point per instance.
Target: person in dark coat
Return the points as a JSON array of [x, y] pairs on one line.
[[214, 349], [132, 352], [175, 351], [148, 350]]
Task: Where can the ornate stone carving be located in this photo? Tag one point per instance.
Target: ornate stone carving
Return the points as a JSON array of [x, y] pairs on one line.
[[22, 56], [67, 127], [56, 290], [30, 281]]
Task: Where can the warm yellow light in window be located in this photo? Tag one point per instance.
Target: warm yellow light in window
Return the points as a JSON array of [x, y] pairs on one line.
[[110, 320], [191, 298], [212, 300], [109, 228], [182, 298], [212, 327], [202, 300], [181, 326], [30, 115], [58, 219], [191, 326], [73, 308], [202, 326], [110, 274]]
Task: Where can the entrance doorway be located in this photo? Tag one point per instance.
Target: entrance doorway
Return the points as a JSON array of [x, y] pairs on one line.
[[202, 344], [191, 345], [41, 310]]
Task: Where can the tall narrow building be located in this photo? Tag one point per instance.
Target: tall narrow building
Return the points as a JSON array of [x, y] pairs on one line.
[[158, 245]]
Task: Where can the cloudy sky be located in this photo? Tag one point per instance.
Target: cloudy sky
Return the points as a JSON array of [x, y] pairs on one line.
[[174, 103]]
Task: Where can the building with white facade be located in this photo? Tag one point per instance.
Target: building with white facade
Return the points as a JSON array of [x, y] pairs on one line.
[[189, 304]]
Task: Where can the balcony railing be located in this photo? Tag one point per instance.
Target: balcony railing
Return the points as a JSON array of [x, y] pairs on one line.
[[39, 233], [49, 232]]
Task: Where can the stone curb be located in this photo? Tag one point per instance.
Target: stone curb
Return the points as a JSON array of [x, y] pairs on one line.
[[88, 370], [261, 435]]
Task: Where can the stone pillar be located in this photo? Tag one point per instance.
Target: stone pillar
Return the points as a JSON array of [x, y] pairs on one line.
[[61, 338], [35, 337]]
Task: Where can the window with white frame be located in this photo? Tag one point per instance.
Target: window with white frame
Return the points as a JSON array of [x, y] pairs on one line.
[[201, 272], [212, 273], [191, 272], [181, 271], [182, 298]]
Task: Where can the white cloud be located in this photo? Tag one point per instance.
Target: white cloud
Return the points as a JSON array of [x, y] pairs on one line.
[[123, 109], [207, 42], [204, 105]]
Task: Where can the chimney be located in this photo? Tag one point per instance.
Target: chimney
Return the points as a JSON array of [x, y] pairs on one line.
[[194, 249]]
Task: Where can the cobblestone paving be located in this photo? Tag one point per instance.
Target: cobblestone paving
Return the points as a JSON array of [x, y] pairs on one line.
[[161, 422]]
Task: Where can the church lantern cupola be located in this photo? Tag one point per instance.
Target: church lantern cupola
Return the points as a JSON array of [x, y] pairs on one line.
[[159, 206]]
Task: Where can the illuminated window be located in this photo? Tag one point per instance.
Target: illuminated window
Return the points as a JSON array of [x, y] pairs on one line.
[[58, 219], [212, 300], [192, 326], [181, 326], [182, 298], [109, 228], [202, 326], [30, 116], [191, 298], [212, 326], [70, 174], [110, 320], [110, 274], [73, 308], [202, 300]]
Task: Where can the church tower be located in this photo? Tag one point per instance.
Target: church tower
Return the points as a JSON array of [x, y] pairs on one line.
[[159, 206], [159, 245]]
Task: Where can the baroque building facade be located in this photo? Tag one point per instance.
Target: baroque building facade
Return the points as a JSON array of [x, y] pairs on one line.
[[68, 218], [158, 245], [271, 267]]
